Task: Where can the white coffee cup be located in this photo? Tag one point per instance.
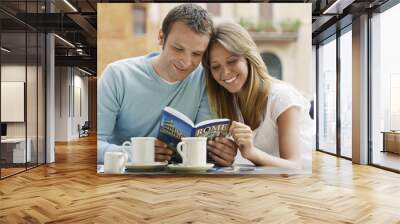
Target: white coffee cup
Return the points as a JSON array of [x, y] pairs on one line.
[[141, 149], [114, 162], [193, 151]]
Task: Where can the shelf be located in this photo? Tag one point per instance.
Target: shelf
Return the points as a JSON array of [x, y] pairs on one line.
[[259, 37]]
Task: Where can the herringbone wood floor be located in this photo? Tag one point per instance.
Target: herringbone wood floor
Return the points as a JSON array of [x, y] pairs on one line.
[[70, 191]]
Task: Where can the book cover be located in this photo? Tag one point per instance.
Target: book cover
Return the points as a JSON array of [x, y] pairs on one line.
[[174, 125]]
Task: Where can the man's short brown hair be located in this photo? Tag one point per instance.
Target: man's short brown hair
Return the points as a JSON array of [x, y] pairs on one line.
[[192, 15]]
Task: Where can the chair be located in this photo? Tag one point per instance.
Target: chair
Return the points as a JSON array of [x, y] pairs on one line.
[[84, 130]]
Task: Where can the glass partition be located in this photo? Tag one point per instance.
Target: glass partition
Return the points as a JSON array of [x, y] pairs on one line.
[[346, 94], [327, 97], [31, 98], [13, 107], [22, 89], [385, 88], [41, 96]]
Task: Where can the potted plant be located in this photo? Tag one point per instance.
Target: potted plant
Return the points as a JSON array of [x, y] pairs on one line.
[[247, 25], [266, 26], [290, 25]]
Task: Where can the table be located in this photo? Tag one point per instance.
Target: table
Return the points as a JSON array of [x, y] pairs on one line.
[[391, 141], [238, 169], [17, 150]]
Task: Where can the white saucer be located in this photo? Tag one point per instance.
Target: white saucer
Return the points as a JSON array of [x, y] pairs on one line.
[[188, 168], [145, 166]]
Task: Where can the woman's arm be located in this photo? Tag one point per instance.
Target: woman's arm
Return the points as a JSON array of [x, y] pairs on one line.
[[288, 132]]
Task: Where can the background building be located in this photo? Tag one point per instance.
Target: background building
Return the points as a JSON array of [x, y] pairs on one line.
[[281, 31]]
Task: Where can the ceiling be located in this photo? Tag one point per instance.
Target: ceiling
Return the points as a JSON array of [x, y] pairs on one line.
[[77, 23], [332, 15]]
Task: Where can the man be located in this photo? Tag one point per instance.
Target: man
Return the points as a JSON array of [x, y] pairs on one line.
[[134, 91]]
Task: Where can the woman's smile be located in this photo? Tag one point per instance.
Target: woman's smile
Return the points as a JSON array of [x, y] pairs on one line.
[[229, 81]]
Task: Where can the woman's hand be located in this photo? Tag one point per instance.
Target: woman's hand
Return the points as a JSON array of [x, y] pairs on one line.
[[243, 136]]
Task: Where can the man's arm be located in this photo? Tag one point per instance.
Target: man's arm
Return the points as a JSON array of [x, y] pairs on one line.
[[108, 106]]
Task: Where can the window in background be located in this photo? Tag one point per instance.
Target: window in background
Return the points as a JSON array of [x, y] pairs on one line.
[[273, 64], [265, 11], [346, 94], [214, 9], [395, 102], [327, 96], [385, 85], [139, 20], [314, 72]]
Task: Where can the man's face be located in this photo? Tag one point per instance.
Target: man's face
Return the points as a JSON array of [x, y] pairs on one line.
[[183, 51]]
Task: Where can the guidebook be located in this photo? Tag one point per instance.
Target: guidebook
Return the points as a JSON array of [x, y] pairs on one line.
[[174, 125]]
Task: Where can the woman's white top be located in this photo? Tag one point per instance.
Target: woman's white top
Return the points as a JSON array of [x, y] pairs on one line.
[[281, 97]]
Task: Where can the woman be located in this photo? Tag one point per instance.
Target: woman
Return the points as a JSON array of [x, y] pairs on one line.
[[271, 125]]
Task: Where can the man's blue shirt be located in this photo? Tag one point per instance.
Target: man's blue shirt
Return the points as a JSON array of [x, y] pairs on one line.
[[131, 97]]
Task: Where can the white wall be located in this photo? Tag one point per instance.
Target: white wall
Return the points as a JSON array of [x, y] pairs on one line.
[[33, 126], [12, 73], [61, 103], [79, 117], [69, 85], [296, 56]]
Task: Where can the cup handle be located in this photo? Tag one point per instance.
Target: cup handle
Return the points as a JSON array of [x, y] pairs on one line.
[[179, 148], [125, 144]]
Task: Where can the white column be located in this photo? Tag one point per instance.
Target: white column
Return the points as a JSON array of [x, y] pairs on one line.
[[50, 101], [50, 92]]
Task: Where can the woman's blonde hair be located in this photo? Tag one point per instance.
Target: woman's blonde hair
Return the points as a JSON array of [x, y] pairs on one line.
[[251, 101]]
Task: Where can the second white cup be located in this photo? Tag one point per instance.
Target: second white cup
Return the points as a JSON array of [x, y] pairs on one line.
[[114, 162], [141, 149], [193, 151]]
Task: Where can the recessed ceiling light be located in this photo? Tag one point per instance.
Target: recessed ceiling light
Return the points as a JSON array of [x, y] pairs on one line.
[[337, 7], [84, 71], [70, 5], [5, 50], [64, 40]]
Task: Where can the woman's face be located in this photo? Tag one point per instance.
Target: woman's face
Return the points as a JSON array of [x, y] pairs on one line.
[[228, 69]]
